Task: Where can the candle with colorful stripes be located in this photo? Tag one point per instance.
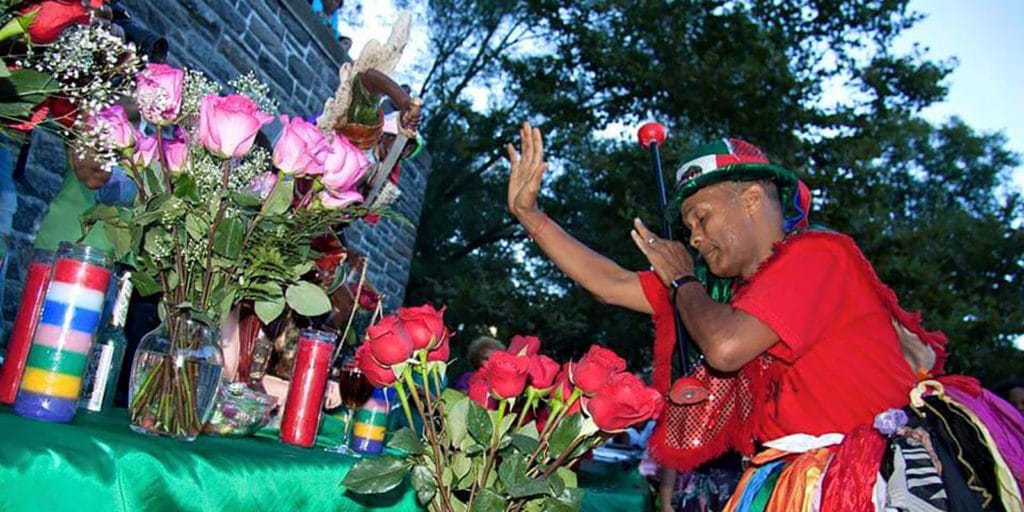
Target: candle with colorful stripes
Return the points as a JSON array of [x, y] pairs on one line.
[[68, 321], [371, 424]]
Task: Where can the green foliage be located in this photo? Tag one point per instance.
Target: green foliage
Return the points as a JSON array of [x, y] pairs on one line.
[[376, 475], [931, 205]]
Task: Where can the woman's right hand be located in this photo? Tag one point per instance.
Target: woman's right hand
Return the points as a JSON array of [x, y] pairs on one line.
[[528, 168]]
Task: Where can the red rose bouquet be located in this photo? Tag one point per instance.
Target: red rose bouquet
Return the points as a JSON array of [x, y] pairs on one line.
[[507, 445]]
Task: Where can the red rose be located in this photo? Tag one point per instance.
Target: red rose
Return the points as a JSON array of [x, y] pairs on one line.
[[543, 371], [506, 374], [52, 17], [563, 387], [624, 402], [378, 375], [388, 341], [424, 324], [524, 345], [440, 352], [478, 390], [368, 297], [596, 367]]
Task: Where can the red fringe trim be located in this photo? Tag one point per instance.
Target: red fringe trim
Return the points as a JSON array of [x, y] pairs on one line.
[[664, 329]]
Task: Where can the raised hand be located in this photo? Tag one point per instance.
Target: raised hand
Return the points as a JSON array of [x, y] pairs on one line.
[[527, 175]]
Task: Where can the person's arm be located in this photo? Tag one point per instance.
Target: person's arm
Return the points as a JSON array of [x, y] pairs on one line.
[[602, 277], [728, 338], [666, 486]]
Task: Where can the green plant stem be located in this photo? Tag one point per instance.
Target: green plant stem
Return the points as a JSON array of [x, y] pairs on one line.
[[138, 179], [221, 208], [179, 250], [489, 463], [400, 389], [428, 428]]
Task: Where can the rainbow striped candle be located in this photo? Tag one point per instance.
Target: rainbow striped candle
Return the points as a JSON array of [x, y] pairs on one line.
[[68, 321], [371, 424]]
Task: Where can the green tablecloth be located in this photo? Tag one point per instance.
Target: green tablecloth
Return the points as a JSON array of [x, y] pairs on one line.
[[97, 463]]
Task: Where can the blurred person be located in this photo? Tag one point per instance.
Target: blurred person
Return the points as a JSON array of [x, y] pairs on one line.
[[478, 352]]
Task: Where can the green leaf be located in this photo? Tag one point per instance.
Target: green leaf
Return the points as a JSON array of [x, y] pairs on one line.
[[307, 299], [529, 430], [512, 473], [460, 465], [457, 420], [145, 284], [246, 199], [280, 198], [185, 187], [570, 500], [269, 309], [227, 240], [28, 86], [376, 475], [196, 227], [488, 501], [525, 444], [424, 482], [568, 476], [565, 433], [407, 441], [478, 422], [458, 505]]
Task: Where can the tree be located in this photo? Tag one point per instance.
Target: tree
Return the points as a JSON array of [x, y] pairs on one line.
[[930, 205]]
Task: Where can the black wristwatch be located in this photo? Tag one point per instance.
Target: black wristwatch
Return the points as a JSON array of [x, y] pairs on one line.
[[678, 283]]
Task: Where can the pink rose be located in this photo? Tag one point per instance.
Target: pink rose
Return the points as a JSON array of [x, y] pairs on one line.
[[115, 127], [524, 345], [388, 341], [624, 402], [228, 124], [334, 200], [595, 369], [344, 165], [378, 375], [158, 93], [145, 150], [300, 148], [506, 374], [263, 184], [543, 371], [424, 324], [176, 152]]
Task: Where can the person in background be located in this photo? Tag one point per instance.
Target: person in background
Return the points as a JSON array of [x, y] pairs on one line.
[[478, 352], [1013, 391]]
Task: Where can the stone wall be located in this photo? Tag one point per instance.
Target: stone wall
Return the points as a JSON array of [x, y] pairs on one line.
[[288, 48]]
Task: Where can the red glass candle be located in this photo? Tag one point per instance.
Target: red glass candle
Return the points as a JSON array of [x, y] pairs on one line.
[[302, 409], [24, 324]]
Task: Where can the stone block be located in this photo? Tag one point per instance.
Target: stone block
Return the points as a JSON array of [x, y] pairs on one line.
[[270, 39], [30, 213], [278, 76]]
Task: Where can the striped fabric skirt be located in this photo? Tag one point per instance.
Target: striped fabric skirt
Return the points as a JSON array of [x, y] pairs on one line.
[[956, 447]]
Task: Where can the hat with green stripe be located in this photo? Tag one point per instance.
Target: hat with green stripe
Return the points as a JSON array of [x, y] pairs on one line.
[[739, 160]]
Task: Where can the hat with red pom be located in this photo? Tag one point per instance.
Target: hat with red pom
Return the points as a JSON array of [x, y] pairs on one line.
[[739, 160]]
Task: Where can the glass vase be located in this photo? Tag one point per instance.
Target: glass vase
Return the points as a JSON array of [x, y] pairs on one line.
[[176, 374]]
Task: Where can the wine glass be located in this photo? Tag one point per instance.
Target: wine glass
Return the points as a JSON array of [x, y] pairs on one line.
[[355, 390]]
